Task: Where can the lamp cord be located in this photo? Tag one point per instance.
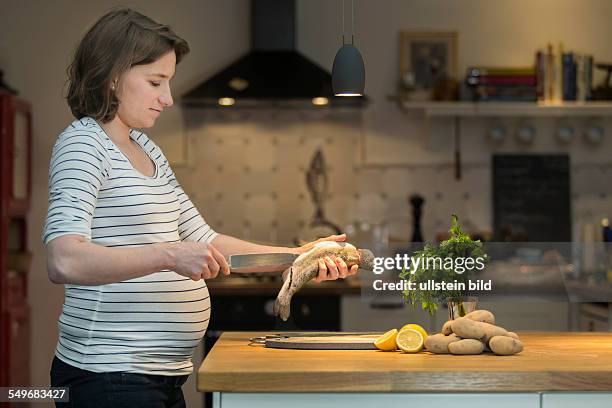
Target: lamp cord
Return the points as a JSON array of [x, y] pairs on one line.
[[342, 3], [352, 22]]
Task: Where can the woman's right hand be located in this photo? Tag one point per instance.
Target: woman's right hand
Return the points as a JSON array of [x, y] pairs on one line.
[[198, 260]]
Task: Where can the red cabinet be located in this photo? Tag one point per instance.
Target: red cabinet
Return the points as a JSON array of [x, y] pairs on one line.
[[16, 137], [15, 185]]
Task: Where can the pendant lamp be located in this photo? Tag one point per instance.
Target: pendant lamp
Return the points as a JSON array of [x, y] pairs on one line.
[[348, 71]]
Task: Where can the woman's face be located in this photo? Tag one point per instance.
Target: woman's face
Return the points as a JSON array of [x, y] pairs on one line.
[[144, 92]]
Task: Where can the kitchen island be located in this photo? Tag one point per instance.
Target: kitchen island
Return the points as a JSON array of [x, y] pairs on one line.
[[554, 370]]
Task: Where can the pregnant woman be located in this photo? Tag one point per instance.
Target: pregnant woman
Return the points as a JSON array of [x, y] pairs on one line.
[[131, 249]]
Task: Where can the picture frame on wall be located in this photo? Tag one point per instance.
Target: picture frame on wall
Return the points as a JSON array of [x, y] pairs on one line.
[[428, 64]]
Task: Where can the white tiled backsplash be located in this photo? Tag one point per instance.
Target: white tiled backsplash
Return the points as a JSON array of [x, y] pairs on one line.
[[246, 169]]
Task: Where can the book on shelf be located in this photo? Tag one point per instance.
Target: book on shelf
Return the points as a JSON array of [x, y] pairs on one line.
[[507, 98], [507, 90], [502, 80], [557, 75], [568, 76], [500, 71], [584, 77], [540, 69], [502, 83], [563, 75]]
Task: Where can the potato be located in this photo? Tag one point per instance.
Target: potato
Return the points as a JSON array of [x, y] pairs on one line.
[[481, 316], [478, 327], [513, 335], [438, 343], [446, 328], [466, 346], [467, 328], [491, 331], [505, 346]]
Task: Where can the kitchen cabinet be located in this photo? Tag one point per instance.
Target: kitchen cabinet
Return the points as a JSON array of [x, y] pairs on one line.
[[16, 136], [15, 185], [578, 399], [16, 326], [363, 400]]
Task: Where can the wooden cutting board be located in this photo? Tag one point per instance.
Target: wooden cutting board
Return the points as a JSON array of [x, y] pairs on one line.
[[325, 342]]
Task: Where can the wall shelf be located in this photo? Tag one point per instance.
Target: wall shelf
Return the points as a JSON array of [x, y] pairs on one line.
[[456, 110], [505, 109]]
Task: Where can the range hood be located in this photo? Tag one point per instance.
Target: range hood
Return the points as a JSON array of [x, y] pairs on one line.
[[273, 73]]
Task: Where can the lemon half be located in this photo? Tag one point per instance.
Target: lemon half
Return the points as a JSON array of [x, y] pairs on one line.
[[416, 327], [409, 341], [386, 342]]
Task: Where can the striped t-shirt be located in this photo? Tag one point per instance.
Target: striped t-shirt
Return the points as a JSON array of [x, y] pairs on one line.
[[150, 324]]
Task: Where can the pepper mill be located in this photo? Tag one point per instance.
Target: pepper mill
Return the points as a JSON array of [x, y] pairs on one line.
[[416, 201]]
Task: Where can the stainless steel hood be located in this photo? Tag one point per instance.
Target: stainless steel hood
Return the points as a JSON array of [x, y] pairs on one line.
[[273, 73]]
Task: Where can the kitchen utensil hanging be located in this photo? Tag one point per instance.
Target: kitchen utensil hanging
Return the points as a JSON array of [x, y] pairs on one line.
[[317, 183]]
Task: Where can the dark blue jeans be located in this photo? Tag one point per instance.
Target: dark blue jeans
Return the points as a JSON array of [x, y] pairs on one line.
[[116, 389]]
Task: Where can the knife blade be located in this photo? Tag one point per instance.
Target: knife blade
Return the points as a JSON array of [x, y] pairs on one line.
[[270, 262]]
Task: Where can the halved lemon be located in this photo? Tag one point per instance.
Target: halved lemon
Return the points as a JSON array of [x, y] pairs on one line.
[[416, 327], [409, 341], [386, 342]]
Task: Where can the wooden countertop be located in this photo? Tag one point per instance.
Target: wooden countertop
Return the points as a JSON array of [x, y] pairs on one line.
[[550, 362]]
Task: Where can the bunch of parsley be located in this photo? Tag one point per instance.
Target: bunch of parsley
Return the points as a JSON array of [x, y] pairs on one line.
[[459, 245]]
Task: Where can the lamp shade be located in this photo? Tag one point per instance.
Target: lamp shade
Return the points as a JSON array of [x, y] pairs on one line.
[[348, 72]]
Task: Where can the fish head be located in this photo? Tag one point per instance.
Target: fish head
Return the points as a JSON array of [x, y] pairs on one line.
[[366, 259]]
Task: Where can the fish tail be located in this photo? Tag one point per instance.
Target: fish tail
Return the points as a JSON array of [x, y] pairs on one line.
[[282, 305], [282, 308]]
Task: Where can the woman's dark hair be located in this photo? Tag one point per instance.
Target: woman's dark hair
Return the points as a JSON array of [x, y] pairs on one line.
[[118, 41]]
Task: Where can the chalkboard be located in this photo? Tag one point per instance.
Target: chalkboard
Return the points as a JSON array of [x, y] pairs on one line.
[[531, 198]]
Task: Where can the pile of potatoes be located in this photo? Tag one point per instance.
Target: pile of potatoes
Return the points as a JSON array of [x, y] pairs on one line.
[[473, 334]]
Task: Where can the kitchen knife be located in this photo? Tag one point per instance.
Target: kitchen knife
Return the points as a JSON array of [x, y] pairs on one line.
[[286, 335], [271, 262]]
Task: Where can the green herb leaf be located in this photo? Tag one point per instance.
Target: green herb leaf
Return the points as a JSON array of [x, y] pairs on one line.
[[459, 245]]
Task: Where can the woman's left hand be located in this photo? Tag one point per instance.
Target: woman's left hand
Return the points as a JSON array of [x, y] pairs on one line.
[[330, 268]]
